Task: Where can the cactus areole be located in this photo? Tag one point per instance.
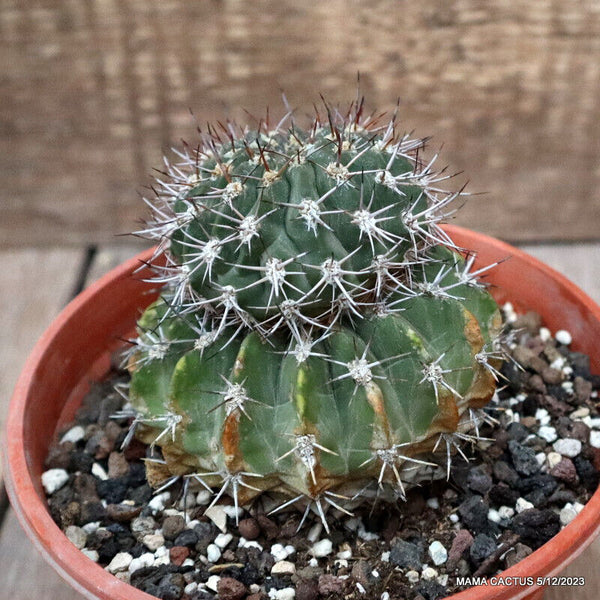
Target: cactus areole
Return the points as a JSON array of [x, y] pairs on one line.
[[318, 336]]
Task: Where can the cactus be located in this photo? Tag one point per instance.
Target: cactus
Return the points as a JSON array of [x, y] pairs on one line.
[[318, 336]]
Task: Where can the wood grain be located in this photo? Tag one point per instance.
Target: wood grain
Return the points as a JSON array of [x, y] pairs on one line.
[[35, 284], [95, 92]]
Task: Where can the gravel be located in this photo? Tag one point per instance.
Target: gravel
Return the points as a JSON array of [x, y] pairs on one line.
[[515, 493]]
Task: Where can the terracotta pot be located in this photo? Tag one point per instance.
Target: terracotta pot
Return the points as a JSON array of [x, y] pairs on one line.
[[74, 351]]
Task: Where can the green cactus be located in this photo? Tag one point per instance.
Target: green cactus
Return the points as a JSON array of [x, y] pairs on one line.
[[318, 334]]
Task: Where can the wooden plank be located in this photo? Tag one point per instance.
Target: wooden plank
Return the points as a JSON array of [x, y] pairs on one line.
[[35, 284], [109, 257], [509, 88], [25, 574]]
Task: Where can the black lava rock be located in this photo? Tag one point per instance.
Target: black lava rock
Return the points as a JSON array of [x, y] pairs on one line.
[[535, 526], [587, 473], [431, 590], [187, 538], [523, 458], [405, 555], [517, 432], [474, 514], [479, 480], [482, 546], [112, 490]]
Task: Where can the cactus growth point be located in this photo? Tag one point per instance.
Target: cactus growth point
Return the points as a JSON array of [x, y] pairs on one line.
[[318, 336]]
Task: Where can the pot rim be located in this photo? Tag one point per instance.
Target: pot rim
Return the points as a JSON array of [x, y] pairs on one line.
[[90, 579]]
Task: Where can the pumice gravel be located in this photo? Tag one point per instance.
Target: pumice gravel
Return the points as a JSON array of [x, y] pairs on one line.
[[536, 464]]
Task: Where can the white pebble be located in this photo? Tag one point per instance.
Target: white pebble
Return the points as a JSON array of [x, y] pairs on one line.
[[120, 562], [562, 336], [91, 554], [433, 503], [279, 552], [522, 505], [188, 562], [429, 574], [443, 579], [283, 594], [360, 587], [544, 334], [594, 423], [158, 503], [385, 557], [153, 541], [54, 479], [313, 562], [569, 447], [76, 535], [213, 553], [543, 416], [218, 516], [385, 596], [314, 532], [494, 515], [74, 435], [547, 433], [344, 554], [567, 386], [203, 498], [142, 561], [375, 573], [412, 576], [99, 472], [580, 413], [506, 512], [244, 543], [190, 588], [212, 582], [162, 551], [567, 371], [553, 459], [541, 458], [91, 527], [558, 363], [232, 512], [284, 567], [567, 513], [223, 539], [438, 553], [367, 536], [509, 312], [454, 518], [595, 439], [188, 502], [322, 548]]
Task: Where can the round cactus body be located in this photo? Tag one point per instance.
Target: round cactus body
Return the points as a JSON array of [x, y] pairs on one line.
[[318, 334]]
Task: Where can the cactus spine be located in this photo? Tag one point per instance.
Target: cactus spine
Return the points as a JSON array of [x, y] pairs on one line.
[[318, 334]]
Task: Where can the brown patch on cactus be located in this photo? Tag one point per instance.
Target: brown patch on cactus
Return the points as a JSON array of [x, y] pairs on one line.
[[382, 437], [448, 415], [482, 389], [157, 473], [473, 332], [230, 438]]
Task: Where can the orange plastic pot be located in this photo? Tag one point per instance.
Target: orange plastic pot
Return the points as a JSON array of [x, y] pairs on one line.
[[75, 351]]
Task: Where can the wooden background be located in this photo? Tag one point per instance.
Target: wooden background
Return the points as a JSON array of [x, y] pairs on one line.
[[94, 92]]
